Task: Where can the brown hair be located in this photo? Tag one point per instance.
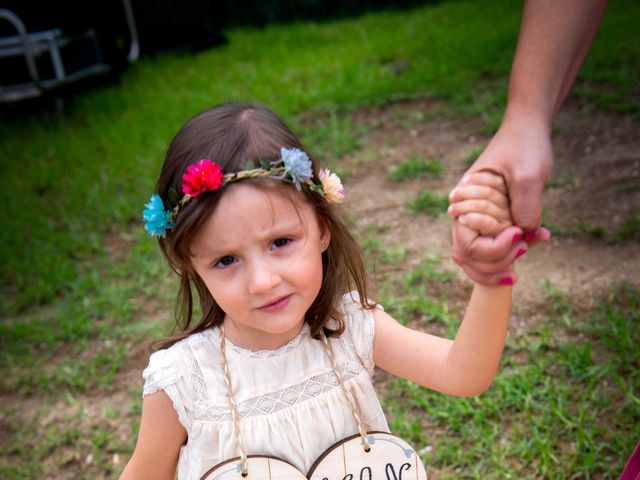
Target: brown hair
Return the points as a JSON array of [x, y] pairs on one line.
[[232, 134]]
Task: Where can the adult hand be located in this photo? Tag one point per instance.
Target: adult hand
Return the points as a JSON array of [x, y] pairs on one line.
[[554, 39], [521, 152]]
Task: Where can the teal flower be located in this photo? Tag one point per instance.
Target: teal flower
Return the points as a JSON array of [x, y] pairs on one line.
[[296, 165], [156, 218]]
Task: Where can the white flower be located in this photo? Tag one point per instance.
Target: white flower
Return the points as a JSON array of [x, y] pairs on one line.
[[332, 186]]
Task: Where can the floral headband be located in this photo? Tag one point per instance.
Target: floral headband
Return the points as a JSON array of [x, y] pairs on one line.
[[207, 176]]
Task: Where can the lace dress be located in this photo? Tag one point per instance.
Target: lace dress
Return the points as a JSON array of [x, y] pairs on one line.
[[289, 400]]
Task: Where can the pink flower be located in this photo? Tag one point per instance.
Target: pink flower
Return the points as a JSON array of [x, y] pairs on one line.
[[204, 176], [331, 185]]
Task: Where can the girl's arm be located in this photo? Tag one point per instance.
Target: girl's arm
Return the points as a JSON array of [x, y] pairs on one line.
[[159, 441], [466, 365], [462, 367]]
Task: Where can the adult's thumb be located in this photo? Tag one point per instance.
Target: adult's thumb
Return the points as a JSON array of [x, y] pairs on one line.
[[526, 204]]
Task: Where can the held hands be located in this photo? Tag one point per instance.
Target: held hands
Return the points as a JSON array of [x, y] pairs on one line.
[[480, 203], [484, 244], [483, 225], [521, 152]]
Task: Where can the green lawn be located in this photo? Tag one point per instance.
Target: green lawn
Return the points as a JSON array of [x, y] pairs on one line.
[[80, 279], [77, 178]]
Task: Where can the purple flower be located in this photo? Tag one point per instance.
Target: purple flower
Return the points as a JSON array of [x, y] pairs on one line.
[[297, 165]]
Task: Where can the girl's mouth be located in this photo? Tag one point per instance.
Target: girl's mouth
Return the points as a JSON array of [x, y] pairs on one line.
[[275, 305]]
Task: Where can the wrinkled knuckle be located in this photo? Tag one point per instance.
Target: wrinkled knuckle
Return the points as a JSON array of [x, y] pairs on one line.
[[492, 227], [458, 256], [466, 251], [488, 205]]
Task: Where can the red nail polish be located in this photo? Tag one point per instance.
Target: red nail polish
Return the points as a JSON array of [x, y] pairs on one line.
[[521, 252], [516, 238], [506, 281], [531, 235]]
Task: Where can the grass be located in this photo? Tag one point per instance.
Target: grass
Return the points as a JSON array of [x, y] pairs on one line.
[[378, 252], [404, 297], [565, 404], [81, 285], [416, 167], [628, 230], [429, 203], [473, 155]]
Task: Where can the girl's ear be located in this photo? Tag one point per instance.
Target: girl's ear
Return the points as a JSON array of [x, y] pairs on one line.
[[325, 236]]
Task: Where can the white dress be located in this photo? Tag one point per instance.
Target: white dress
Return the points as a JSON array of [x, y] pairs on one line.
[[289, 399]]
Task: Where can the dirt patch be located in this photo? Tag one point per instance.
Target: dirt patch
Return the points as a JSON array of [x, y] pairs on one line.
[[595, 189]]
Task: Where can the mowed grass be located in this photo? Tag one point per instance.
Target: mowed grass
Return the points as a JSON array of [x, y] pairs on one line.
[[565, 402], [81, 283]]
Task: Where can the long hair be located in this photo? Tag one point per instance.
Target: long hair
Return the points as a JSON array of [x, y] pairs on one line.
[[232, 134]]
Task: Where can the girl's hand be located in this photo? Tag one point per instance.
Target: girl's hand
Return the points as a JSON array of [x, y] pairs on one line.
[[484, 229], [480, 202]]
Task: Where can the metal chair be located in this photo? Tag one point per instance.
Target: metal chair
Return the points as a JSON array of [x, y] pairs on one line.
[[51, 58]]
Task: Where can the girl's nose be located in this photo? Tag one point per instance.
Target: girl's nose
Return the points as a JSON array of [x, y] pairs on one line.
[[263, 278]]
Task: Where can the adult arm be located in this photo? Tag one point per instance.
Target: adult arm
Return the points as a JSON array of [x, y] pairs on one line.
[[554, 39]]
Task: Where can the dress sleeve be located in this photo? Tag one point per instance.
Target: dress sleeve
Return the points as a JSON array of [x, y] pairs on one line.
[[359, 329], [166, 372]]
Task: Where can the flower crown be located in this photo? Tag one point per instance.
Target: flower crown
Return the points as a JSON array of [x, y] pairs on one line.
[[207, 176]]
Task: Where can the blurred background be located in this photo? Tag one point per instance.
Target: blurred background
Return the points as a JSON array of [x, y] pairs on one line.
[[398, 97]]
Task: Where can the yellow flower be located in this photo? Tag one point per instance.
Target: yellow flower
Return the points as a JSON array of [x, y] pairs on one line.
[[332, 186]]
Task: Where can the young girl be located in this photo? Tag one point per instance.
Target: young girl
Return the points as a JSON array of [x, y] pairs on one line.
[[257, 231]]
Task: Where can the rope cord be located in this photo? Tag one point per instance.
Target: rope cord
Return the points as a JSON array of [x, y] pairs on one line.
[[232, 404], [354, 409]]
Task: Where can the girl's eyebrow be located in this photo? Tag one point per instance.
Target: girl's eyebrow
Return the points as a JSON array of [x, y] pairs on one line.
[[278, 228]]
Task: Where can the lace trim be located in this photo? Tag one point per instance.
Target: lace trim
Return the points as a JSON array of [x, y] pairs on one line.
[[279, 400], [289, 347]]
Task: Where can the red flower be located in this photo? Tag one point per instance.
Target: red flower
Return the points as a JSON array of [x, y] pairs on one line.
[[204, 176]]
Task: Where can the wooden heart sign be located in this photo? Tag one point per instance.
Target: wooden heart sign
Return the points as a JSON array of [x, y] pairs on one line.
[[389, 458], [259, 468]]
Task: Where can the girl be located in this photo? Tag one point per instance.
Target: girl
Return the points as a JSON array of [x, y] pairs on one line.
[[257, 232]]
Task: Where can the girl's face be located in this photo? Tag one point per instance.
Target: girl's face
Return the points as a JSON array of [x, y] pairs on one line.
[[261, 259]]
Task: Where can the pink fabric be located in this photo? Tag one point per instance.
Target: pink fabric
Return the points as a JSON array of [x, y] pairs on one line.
[[632, 468]]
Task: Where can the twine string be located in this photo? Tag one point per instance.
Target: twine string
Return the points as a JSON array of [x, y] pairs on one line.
[[354, 409], [232, 404]]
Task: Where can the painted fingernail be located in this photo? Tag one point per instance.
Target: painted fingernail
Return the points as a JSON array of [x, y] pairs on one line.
[[521, 252], [531, 235], [461, 219], [506, 281], [516, 238]]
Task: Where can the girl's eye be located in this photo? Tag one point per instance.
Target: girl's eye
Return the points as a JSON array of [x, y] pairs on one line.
[[225, 261], [281, 242]]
